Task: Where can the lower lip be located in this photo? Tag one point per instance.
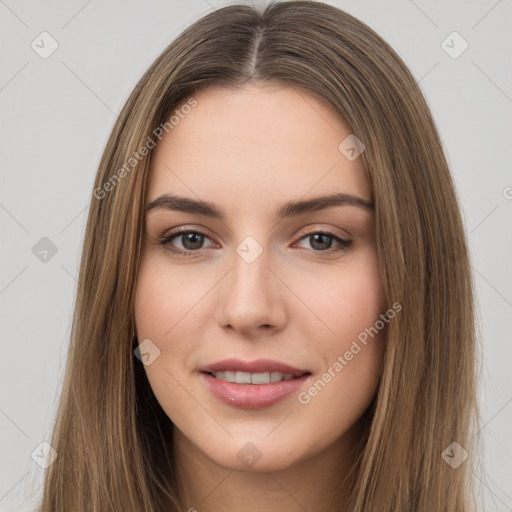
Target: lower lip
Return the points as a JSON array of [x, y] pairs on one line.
[[252, 396]]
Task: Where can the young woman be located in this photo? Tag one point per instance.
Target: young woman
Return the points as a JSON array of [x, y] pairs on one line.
[[275, 307]]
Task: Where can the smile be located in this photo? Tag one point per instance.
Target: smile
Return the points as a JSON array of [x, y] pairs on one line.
[[252, 385]]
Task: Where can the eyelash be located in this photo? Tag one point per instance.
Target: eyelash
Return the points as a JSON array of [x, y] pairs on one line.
[[344, 244]]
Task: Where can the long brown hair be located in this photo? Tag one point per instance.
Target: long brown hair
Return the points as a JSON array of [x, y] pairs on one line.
[[114, 441]]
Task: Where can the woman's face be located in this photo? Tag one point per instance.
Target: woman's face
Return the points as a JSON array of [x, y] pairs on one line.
[[267, 290]]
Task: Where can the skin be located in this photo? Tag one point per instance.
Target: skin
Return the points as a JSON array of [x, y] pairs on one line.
[[249, 151]]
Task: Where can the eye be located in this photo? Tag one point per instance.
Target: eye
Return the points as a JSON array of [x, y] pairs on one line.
[[192, 242], [321, 241]]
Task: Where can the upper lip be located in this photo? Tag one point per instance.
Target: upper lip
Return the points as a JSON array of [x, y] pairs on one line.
[[256, 366]]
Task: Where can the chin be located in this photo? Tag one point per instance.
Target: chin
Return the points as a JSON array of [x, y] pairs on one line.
[[259, 455]]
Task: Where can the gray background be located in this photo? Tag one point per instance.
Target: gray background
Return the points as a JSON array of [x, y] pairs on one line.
[[56, 116]]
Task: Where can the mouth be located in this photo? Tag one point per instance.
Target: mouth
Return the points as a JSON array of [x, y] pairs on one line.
[[252, 385]]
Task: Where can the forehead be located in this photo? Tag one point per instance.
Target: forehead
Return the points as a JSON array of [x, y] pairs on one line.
[[256, 145]]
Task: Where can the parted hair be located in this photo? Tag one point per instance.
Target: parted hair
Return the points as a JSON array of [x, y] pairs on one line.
[[113, 440]]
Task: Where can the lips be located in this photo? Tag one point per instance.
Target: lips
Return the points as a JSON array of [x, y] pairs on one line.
[[252, 384], [257, 366]]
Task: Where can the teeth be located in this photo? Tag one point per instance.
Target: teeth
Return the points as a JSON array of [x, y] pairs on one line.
[[242, 378], [276, 376], [252, 378]]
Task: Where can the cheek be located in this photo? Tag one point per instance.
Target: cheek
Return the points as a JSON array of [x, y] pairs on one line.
[[160, 312], [350, 302], [169, 309], [166, 300], [352, 349]]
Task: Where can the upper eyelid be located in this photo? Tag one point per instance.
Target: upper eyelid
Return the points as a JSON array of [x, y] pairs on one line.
[[176, 234]]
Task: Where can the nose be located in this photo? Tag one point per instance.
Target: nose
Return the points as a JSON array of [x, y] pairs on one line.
[[252, 298]]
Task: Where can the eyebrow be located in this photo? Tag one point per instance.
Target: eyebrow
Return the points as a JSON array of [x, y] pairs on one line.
[[289, 209]]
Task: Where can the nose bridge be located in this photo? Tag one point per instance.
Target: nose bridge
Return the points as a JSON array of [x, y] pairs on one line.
[[250, 298]]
